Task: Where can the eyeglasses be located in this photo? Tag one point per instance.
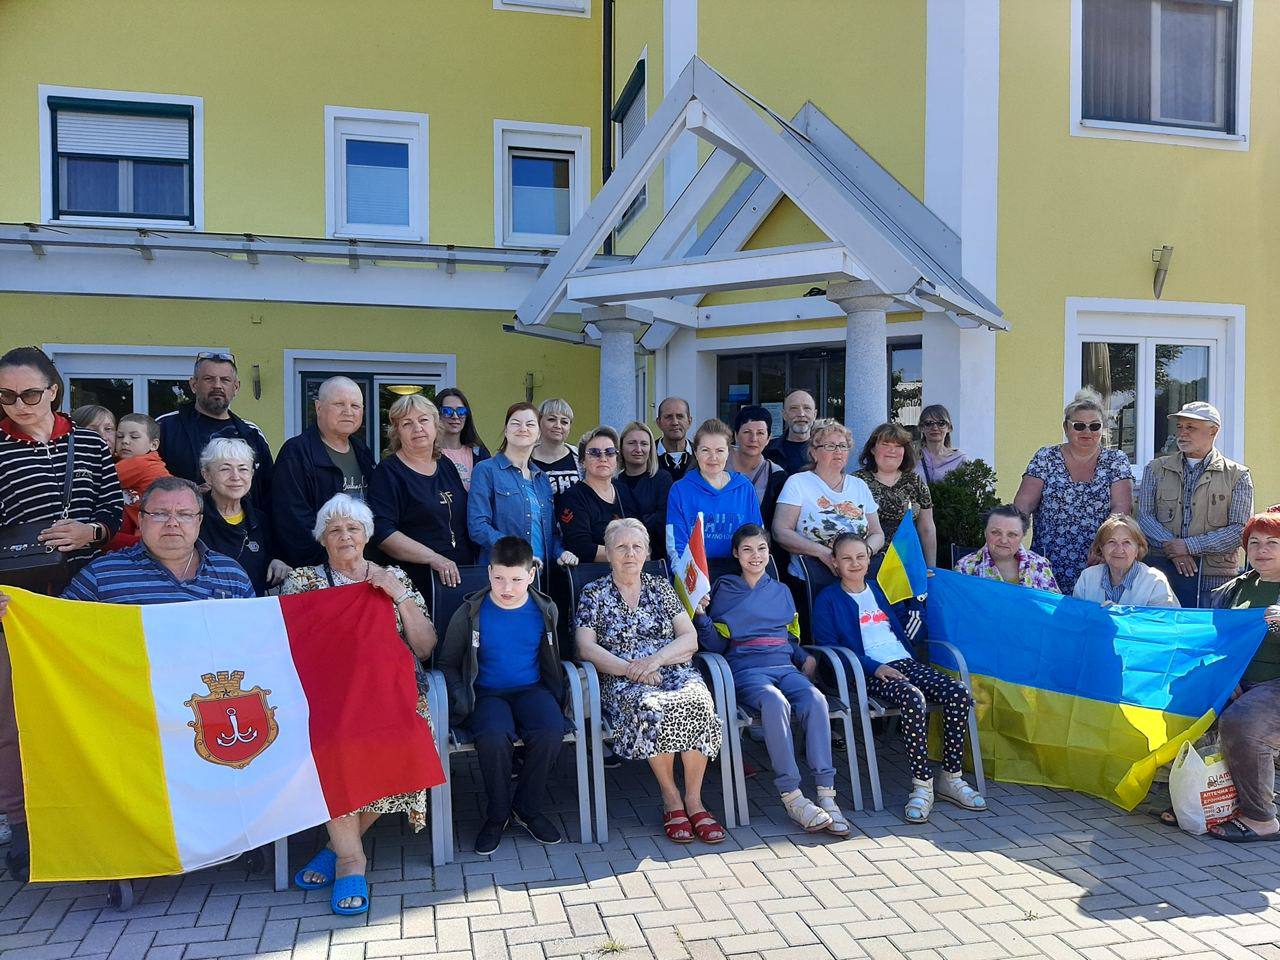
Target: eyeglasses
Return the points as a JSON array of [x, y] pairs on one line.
[[181, 516], [598, 454], [1080, 427], [934, 423], [30, 397], [216, 357], [454, 412], [833, 447]]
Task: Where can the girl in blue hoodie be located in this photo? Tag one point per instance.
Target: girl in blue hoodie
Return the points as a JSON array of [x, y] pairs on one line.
[[855, 614], [726, 500], [751, 619]]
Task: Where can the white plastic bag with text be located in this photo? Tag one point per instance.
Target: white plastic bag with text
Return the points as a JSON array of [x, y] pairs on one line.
[[1202, 790]]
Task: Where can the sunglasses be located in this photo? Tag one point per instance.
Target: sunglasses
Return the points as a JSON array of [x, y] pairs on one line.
[[216, 357], [30, 397], [605, 454], [1080, 427], [934, 423], [454, 411]]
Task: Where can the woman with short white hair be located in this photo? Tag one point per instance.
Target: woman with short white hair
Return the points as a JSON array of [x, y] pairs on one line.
[[343, 527], [231, 524], [553, 455]]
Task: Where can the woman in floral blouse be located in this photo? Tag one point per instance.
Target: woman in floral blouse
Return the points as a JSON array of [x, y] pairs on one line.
[[1004, 557], [343, 527], [1070, 488], [888, 468]]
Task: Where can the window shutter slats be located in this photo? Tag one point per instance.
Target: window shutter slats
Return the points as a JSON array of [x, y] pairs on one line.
[[116, 135], [632, 124]]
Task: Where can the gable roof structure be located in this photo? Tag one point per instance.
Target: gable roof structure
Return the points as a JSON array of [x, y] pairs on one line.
[[882, 232]]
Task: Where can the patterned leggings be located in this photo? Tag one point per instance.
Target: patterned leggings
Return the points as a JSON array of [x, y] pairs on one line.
[[922, 682]]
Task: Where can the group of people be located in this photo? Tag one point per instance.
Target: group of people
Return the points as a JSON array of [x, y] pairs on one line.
[[193, 505]]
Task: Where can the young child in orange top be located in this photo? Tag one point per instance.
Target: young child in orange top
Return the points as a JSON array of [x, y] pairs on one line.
[[139, 466]]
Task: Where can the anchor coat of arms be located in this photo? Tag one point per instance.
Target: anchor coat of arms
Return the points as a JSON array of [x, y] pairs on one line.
[[232, 726]]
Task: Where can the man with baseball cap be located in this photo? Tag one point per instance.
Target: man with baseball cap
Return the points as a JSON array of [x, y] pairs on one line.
[[1193, 504]]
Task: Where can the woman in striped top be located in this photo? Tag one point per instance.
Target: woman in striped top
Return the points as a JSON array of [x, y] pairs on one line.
[[33, 463]]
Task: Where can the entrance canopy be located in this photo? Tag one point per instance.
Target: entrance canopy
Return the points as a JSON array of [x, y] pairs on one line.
[[886, 250]]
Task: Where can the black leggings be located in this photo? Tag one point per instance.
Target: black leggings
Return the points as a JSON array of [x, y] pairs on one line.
[[924, 681]]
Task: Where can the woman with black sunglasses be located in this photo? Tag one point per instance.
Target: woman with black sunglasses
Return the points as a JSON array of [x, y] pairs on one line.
[[587, 508], [459, 439], [1070, 488]]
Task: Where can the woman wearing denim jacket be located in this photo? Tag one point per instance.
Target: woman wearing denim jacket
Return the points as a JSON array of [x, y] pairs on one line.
[[511, 496]]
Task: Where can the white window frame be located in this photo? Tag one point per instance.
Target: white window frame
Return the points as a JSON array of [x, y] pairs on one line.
[[123, 361], [437, 369], [49, 215], [1220, 326], [511, 135], [1186, 136], [395, 126], [565, 8]]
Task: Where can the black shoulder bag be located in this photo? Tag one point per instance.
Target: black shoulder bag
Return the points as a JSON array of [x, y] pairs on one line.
[[26, 562]]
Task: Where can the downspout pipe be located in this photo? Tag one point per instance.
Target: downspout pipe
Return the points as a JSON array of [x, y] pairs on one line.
[[606, 139]]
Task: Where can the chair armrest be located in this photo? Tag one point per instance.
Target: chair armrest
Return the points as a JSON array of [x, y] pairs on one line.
[[576, 701], [833, 658], [961, 665], [855, 670], [591, 677], [714, 678], [438, 703]]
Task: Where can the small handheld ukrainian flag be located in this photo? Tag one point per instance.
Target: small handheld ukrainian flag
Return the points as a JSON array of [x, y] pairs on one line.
[[904, 574]]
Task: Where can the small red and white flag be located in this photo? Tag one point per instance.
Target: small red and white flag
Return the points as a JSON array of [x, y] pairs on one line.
[[690, 571]]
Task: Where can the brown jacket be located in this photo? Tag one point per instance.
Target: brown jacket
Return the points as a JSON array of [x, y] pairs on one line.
[[1210, 503]]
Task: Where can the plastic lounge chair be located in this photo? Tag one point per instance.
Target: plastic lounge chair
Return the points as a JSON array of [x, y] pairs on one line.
[[450, 741]]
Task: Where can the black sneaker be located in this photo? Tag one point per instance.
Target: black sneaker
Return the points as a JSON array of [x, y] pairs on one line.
[[611, 760], [18, 857], [539, 827], [490, 836]]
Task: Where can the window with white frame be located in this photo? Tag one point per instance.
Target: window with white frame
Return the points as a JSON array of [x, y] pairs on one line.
[[376, 174], [1165, 63], [572, 8], [541, 182], [111, 157], [1146, 366], [125, 379], [629, 116]]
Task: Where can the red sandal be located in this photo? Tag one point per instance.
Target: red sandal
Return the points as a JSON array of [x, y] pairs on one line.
[[705, 826], [676, 823]]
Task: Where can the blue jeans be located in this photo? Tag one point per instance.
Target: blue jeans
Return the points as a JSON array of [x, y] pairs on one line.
[[501, 717], [776, 693]]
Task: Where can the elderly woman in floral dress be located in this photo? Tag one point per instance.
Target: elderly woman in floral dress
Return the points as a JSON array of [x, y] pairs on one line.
[[343, 527], [634, 629]]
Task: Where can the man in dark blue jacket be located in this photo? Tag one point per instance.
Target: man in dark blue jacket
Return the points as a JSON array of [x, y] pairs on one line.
[[185, 432], [324, 459]]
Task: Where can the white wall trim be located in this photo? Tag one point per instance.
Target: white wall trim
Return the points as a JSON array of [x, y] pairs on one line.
[[45, 90], [508, 134], [564, 8], [1122, 319], [442, 367], [137, 362], [414, 129], [1174, 136]]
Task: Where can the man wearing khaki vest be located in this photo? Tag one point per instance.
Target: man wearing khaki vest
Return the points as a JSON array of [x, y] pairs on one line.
[[1193, 504]]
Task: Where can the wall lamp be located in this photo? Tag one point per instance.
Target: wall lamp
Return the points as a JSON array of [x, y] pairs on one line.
[[1162, 258]]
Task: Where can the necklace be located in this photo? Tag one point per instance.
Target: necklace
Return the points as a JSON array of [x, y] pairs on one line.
[[187, 566]]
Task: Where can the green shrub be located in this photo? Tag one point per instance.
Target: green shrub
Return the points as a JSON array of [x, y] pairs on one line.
[[959, 501]]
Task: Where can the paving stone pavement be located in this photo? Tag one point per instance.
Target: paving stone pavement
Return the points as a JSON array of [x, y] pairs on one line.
[[1043, 874]]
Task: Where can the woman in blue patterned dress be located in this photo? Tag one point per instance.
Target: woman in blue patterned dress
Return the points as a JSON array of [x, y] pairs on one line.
[[633, 627], [1070, 488]]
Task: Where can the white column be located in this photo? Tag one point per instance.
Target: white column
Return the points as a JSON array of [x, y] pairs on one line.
[[619, 328], [866, 377]]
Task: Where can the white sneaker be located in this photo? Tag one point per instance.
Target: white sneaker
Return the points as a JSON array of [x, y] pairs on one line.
[[951, 786], [805, 812], [920, 803], [6, 834], [827, 801]]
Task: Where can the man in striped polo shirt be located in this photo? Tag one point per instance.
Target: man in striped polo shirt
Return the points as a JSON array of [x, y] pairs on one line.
[[168, 566]]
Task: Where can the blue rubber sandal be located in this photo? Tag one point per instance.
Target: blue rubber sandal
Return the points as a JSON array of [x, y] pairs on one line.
[[326, 862], [346, 887]]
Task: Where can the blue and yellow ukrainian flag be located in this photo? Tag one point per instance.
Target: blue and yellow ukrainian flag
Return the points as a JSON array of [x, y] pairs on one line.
[[1073, 694], [904, 574]]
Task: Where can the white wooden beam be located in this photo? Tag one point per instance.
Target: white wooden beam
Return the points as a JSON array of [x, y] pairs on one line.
[[740, 271]]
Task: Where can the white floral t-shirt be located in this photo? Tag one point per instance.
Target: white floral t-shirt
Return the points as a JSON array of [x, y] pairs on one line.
[[826, 513]]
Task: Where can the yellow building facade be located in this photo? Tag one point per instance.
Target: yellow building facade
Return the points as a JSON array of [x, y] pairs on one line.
[[992, 113]]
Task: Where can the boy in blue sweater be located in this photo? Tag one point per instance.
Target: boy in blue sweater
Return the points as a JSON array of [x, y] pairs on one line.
[[752, 620], [501, 664], [855, 614]]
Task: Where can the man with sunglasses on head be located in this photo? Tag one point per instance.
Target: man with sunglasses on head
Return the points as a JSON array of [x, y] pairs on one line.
[[1193, 504], [185, 432]]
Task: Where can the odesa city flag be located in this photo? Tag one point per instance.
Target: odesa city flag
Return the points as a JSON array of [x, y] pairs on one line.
[[161, 739], [1073, 694], [692, 576]]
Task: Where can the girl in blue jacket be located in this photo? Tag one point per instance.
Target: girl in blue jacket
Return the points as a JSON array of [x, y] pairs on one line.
[[855, 614]]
